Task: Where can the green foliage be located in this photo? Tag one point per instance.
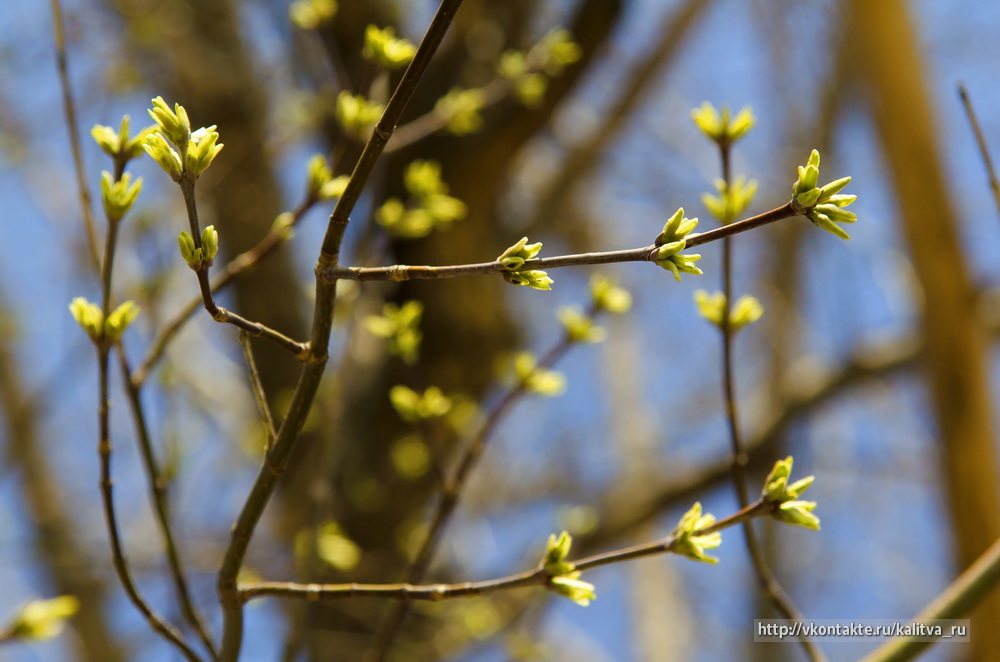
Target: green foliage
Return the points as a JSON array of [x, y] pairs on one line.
[[731, 201], [356, 114], [199, 258], [119, 145], [311, 14], [713, 306], [118, 197], [823, 206], [385, 48], [790, 509], [431, 207], [322, 185], [721, 127], [90, 318], [535, 379], [40, 620], [462, 110], [413, 407], [515, 257], [672, 241], [688, 542], [400, 325], [563, 577]]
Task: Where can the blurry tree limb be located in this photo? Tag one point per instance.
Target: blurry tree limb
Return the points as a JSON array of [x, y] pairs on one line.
[[957, 600], [161, 506], [984, 150], [956, 350], [800, 400], [53, 529], [305, 392], [537, 577], [73, 128], [766, 578], [581, 160], [401, 272], [236, 266]]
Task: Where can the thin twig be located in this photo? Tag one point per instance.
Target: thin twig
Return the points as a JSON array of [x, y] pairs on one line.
[[451, 492], [305, 391], [69, 108], [402, 272], [257, 386], [218, 313], [242, 262], [765, 576], [536, 577], [158, 490], [433, 121], [159, 625], [984, 151]]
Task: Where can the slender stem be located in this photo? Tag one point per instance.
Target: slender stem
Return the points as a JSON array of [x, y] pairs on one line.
[[103, 347], [155, 621], [433, 121], [401, 272], [258, 388], [406, 592], [984, 151], [765, 577], [452, 492], [234, 268], [218, 313], [158, 490], [69, 108], [305, 391]]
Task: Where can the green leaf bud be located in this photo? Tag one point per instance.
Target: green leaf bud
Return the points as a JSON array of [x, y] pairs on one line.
[[413, 407], [174, 124], [193, 256], [118, 197], [608, 296], [385, 48], [577, 590], [156, 146], [311, 14], [119, 319], [209, 244], [89, 316], [40, 620], [201, 151], [580, 327], [798, 513], [687, 543], [461, 108], [356, 114], [534, 379]]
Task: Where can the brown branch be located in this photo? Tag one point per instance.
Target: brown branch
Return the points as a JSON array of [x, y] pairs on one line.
[[984, 150], [452, 491], [158, 491], [257, 386], [401, 272], [305, 391], [765, 576], [538, 577], [239, 264], [218, 313], [69, 108], [957, 600], [156, 622]]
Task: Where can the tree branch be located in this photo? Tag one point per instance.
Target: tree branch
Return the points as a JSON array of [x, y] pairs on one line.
[[305, 392]]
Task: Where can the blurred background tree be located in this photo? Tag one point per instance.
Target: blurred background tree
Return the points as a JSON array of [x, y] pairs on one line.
[[872, 364]]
